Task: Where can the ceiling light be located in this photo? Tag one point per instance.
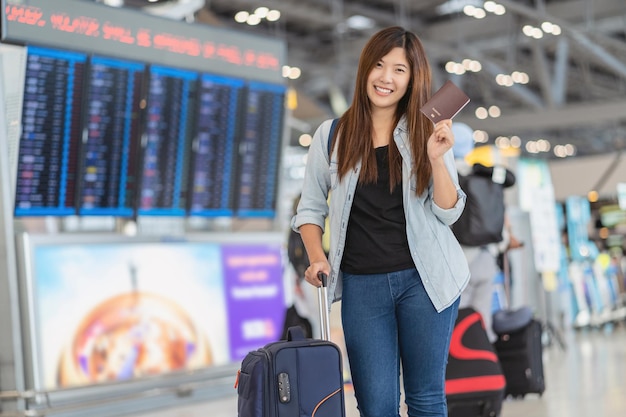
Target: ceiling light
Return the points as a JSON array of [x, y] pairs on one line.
[[480, 136], [262, 12], [528, 30], [273, 15], [490, 6], [259, 14], [559, 151], [475, 66], [543, 145], [563, 151], [253, 20], [294, 73], [469, 10], [481, 113], [358, 22], [460, 68], [504, 80], [500, 10], [502, 142], [518, 76], [305, 140], [494, 111], [531, 147], [480, 13], [241, 16], [547, 27], [455, 68]]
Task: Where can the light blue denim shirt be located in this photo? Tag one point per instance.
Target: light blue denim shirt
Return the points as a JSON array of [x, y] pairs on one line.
[[436, 253]]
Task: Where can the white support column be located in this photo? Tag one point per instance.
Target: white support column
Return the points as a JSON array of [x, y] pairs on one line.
[[561, 69], [11, 357]]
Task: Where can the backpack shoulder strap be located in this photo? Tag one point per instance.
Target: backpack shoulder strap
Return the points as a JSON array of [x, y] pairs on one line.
[[333, 126]]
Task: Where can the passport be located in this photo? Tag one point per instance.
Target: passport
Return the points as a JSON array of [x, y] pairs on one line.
[[445, 103]]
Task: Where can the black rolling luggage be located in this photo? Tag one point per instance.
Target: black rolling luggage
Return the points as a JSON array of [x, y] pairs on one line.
[[474, 379], [520, 352], [296, 377]]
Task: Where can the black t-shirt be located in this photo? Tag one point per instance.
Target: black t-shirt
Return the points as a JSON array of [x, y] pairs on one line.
[[376, 239]]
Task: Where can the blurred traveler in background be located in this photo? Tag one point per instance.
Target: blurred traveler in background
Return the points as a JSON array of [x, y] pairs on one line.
[[483, 258]]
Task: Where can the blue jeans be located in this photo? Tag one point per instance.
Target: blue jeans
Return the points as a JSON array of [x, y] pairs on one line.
[[388, 320]]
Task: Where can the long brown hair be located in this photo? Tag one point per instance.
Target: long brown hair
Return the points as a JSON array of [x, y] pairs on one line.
[[355, 126]]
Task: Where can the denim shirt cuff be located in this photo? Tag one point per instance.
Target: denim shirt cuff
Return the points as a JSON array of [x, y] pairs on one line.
[[449, 216]]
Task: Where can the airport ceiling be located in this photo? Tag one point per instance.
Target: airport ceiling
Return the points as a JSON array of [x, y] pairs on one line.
[[576, 88]]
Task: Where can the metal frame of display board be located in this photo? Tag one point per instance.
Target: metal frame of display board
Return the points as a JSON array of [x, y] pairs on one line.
[[11, 369]]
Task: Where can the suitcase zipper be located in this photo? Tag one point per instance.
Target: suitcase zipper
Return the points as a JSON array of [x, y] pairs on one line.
[[324, 400]]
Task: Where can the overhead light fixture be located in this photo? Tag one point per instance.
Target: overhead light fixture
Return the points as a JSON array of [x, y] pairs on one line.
[[358, 22], [262, 12], [257, 16], [563, 151], [466, 65], [480, 136], [293, 73], [481, 113], [455, 6], [241, 16], [253, 20], [494, 111], [114, 3], [273, 15], [537, 33]]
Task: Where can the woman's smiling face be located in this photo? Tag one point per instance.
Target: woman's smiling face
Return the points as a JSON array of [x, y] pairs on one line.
[[388, 81]]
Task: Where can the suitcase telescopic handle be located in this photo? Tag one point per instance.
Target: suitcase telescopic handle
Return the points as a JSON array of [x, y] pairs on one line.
[[322, 295]]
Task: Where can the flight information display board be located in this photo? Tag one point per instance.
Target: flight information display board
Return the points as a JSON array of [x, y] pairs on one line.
[[114, 92], [214, 150], [259, 150], [127, 114], [167, 142], [51, 133]]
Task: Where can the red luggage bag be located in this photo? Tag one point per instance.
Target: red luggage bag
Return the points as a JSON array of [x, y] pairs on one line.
[[475, 383]]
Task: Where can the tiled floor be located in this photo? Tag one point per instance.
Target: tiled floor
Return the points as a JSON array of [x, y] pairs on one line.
[[587, 379]]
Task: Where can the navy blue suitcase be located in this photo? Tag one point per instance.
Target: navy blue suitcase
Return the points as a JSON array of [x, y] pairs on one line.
[[295, 377]]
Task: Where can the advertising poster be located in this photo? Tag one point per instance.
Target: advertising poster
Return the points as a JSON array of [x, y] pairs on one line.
[[115, 311], [255, 298], [537, 198]]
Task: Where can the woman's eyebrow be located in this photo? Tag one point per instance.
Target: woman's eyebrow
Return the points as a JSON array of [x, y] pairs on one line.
[[399, 64]]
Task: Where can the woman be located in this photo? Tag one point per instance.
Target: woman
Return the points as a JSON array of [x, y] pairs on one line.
[[393, 259]]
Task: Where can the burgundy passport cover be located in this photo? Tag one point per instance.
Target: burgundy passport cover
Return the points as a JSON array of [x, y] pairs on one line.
[[445, 103]]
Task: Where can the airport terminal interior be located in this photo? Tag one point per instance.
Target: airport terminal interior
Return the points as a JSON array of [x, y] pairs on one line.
[[151, 152]]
